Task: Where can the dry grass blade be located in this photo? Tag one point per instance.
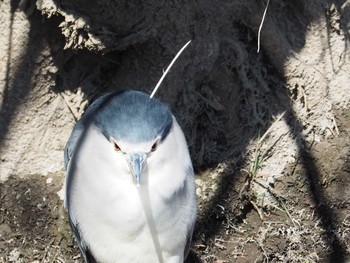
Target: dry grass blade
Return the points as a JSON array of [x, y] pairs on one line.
[[270, 128]]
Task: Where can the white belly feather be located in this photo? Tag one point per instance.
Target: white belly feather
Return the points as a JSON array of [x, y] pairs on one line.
[[117, 219]]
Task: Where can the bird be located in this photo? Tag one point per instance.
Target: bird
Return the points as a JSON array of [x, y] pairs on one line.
[[129, 189]]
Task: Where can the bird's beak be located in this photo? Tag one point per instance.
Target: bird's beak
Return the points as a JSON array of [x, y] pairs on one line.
[[136, 161]]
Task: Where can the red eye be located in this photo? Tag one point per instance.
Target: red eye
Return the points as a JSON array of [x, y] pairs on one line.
[[154, 147], [116, 147]]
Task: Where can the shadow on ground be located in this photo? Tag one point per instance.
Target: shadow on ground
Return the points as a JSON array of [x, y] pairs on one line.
[[206, 90]]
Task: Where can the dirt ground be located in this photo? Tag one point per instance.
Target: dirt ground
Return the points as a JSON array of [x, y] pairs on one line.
[[307, 218], [268, 132]]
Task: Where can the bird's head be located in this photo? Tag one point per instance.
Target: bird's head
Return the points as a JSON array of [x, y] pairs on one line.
[[134, 125]]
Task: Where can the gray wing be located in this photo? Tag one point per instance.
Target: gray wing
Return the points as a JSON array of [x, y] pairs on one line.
[[84, 250], [192, 191], [74, 141], [72, 144], [188, 242]]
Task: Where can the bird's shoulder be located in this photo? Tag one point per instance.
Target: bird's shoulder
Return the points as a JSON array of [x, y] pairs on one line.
[[81, 126]]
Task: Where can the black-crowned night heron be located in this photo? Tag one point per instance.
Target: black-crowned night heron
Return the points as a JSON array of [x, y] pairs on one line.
[[130, 190]]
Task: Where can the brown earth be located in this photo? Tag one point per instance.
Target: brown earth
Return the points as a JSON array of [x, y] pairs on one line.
[[268, 132]]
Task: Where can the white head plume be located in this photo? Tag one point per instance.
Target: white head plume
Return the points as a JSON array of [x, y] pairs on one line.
[[168, 68]]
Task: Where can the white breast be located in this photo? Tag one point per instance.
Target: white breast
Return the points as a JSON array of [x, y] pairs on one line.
[[124, 223]]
